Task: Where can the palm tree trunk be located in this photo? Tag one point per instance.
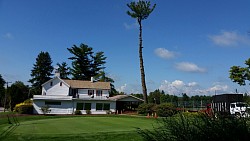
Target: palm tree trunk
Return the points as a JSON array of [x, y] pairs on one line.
[[144, 87]]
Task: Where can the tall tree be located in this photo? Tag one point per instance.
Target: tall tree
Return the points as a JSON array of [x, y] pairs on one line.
[[141, 10], [86, 64], [2, 90], [41, 71], [240, 74], [17, 93], [64, 70]]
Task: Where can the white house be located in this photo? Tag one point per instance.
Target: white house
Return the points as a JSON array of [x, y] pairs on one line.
[[66, 96]]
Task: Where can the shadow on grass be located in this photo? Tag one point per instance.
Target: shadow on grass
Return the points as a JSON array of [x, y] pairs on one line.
[[14, 123]]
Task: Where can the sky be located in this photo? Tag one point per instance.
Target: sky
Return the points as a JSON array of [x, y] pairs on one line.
[[189, 46]]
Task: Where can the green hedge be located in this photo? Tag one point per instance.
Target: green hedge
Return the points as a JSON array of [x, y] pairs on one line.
[[24, 109]]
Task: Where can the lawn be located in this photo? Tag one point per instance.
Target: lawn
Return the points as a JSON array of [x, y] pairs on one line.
[[76, 128]]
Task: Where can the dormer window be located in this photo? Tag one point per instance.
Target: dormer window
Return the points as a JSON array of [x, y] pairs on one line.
[[60, 83], [51, 83]]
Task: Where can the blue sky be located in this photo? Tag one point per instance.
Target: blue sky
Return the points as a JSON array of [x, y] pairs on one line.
[[189, 46]]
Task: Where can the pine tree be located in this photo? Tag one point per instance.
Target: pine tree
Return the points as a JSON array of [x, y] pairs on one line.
[[41, 71], [86, 64], [141, 10]]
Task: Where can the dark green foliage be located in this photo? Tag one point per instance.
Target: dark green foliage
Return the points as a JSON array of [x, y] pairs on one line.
[[166, 110], [41, 71], [140, 10], [88, 112], [2, 90], [64, 70], [146, 108], [240, 74], [18, 92], [24, 109], [78, 112], [198, 128], [85, 64]]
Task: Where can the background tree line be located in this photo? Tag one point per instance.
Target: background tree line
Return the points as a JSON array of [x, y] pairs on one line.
[[183, 100]]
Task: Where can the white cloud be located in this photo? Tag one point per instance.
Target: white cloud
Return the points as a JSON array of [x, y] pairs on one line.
[[130, 26], [177, 87], [229, 38], [8, 36], [122, 88], [164, 53], [218, 87], [189, 67]]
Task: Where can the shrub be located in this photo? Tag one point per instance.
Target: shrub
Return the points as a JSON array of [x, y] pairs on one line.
[[25, 107], [78, 112], [145, 109], [88, 112], [197, 128], [45, 109], [108, 112], [165, 110]]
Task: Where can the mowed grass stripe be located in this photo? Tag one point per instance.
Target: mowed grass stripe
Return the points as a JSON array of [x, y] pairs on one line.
[[79, 125]]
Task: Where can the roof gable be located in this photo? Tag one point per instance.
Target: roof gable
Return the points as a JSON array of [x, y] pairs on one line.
[[54, 79]]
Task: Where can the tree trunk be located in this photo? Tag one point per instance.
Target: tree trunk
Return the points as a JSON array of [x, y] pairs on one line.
[[144, 87]]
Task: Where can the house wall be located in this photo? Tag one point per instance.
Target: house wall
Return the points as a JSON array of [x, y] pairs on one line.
[[69, 107], [55, 89], [66, 107]]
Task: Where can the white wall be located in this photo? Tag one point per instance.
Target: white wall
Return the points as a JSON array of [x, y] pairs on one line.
[[66, 107], [69, 107], [55, 89]]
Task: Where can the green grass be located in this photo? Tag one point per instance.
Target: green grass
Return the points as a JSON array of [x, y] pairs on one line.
[[75, 128]]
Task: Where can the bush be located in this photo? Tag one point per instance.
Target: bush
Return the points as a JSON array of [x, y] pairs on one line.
[[197, 128], [145, 109], [88, 112], [78, 112], [166, 110], [25, 107], [45, 109], [108, 112]]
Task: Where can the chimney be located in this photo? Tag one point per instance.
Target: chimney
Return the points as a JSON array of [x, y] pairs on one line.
[[92, 79]]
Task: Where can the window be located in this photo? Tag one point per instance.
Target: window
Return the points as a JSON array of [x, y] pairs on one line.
[[106, 106], [87, 106], [98, 92], [51, 83], [83, 106], [102, 106], [79, 106], [60, 83], [90, 92], [99, 106], [52, 103]]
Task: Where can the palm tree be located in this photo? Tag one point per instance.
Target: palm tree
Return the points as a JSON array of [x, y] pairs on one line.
[[141, 10]]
